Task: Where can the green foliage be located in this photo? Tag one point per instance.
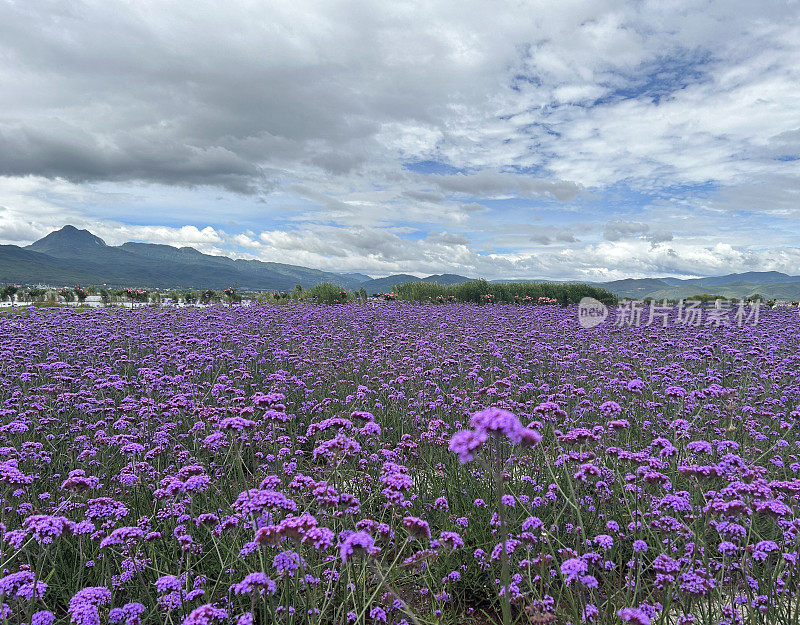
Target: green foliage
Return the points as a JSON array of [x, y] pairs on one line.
[[279, 297], [705, 297], [231, 295], [80, 293], [327, 293], [477, 291], [66, 293], [8, 291], [135, 295], [36, 294]]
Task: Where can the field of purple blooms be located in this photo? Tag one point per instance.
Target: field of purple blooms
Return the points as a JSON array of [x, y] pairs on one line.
[[401, 463]]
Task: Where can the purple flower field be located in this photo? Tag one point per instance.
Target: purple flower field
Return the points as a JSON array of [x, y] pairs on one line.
[[396, 464]]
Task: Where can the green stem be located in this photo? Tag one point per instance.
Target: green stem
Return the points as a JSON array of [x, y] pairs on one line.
[[505, 577]]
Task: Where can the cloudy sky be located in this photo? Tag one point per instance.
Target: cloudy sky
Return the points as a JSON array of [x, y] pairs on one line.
[[555, 139]]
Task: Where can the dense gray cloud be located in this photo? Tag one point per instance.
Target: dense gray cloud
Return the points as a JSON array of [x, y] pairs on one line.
[[553, 235], [618, 230], [182, 95], [55, 150], [659, 237], [234, 96]]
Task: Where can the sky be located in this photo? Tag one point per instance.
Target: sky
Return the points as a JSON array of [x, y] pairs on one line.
[[590, 139]]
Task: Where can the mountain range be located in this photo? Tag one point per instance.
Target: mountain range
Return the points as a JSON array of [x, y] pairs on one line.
[[768, 284], [71, 256]]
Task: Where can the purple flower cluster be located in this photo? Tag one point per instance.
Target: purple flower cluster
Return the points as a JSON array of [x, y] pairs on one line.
[[491, 422]]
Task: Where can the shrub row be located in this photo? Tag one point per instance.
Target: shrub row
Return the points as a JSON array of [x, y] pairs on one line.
[[477, 290]]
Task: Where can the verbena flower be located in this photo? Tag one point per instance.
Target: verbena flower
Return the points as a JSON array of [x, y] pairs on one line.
[[491, 421], [358, 542], [255, 583], [633, 615]]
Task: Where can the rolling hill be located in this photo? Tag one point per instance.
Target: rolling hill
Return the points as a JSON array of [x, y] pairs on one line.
[[72, 256], [383, 285], [769, 284]]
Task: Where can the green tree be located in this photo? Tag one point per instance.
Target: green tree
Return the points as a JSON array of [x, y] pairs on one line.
[[66, 293], [8, 291], [705, 297], [36, 294], [327, 293]]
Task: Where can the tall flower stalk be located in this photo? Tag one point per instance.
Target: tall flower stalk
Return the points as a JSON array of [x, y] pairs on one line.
[[498, 425]]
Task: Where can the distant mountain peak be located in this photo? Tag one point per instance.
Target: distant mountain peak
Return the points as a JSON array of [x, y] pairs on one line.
[[74, 256], [68, 237]]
